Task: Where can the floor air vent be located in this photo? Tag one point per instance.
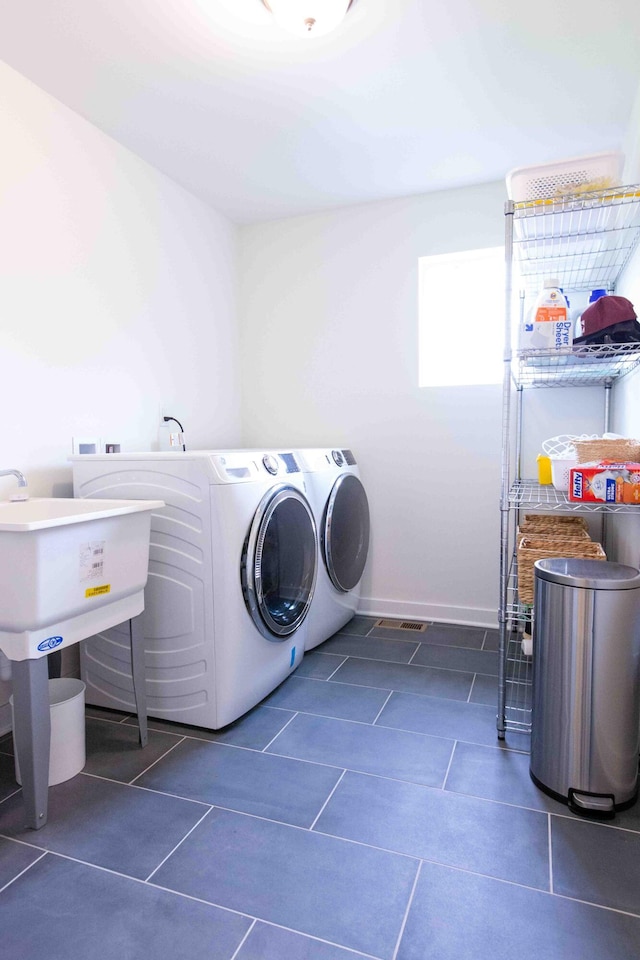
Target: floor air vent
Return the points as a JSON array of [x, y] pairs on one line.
[[402, 625]]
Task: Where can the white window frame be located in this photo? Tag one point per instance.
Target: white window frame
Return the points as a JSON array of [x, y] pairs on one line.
[[461, 318]]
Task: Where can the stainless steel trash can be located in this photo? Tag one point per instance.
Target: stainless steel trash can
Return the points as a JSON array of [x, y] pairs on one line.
[[586, 684]]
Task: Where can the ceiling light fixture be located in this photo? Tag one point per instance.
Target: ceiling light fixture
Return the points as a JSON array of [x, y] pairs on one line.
[[308, 18]]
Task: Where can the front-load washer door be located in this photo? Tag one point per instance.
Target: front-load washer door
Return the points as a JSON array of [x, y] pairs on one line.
[[278, 567], [345, 532]]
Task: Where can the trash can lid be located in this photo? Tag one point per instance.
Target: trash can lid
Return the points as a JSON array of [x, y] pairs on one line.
[[589, 574]]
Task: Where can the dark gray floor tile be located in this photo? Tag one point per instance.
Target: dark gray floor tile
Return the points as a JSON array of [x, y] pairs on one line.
[[485, 690], [458, 916], [491, 640], [497, 774], [373, 648], [504, 775], [102, 713], [327, 888], [426, 681], [471, 722], [8, 783], [456, 658], [61, 910], [266, 942], [108, 824], [597, 863], [358, 746], [14, 858], [329, 699], [253, 730], [452, 635], [435, 825], [399, 635], [319, 665], [114, 751], [244, 780], [358, 626]]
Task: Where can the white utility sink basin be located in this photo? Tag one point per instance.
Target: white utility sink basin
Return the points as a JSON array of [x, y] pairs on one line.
[[69, 568]]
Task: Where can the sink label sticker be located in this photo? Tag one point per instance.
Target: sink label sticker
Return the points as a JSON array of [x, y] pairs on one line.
[[92, 560], [50, 643], [97, 591]]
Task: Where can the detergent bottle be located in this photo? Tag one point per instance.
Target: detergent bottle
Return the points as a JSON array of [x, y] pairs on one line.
[[548, 326]]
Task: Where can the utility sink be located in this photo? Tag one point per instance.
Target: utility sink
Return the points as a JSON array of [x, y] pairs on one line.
[[69, 568]]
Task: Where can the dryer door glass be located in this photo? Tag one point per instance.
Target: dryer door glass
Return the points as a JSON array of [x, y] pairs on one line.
[[279, 563], [345, 533]]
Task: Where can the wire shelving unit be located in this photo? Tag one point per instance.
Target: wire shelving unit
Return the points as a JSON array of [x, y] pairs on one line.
[[586, 241]]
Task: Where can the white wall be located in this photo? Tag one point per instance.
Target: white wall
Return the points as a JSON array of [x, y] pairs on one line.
[[117, 297], [328, 312]]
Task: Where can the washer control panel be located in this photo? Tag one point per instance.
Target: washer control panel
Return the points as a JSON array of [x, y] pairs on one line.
[[270, 463]]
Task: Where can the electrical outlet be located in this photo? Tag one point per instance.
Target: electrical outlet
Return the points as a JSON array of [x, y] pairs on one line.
[[86, 445]]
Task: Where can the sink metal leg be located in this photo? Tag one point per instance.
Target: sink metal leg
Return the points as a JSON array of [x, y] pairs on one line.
[[136, 637], [32, 734]]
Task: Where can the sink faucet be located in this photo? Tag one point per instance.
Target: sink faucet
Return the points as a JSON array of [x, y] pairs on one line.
[[22, 483]]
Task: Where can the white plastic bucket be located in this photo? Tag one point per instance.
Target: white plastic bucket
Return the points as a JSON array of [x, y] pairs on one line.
[[67, 755]]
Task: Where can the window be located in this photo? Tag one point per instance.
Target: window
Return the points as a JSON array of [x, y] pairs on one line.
[[461, 318]]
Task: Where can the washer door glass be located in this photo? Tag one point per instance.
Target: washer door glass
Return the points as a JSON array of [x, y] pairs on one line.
[[345, 534], [279, 563]]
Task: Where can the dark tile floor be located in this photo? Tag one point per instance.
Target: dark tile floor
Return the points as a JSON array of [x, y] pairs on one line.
[[364, 809]]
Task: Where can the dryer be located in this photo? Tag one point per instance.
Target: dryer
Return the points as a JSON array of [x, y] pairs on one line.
[[232, 569], [341, 511]]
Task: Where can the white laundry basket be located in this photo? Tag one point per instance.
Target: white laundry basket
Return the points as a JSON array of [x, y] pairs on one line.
[[561, 468], [562, 453], [67, 755]]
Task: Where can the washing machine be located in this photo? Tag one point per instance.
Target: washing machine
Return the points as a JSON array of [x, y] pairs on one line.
[[232, 569], [341, 512]]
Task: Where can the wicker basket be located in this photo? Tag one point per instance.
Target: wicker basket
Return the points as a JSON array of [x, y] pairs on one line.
[[621, 451], [531, 549], [552, 521], [557, 533]]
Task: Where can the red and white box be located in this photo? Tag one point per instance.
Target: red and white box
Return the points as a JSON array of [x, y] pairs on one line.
[[605, 482]]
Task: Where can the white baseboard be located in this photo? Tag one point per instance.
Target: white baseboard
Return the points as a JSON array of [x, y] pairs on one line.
[[438, 613]]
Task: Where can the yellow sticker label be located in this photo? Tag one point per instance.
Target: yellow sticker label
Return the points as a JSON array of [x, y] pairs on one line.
[[97, 591]]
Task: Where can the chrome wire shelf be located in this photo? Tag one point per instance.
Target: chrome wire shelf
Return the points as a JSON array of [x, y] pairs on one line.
[[518, 614], [545, 497], [584, 366], [518, 686], [584, 240], [517, 667]]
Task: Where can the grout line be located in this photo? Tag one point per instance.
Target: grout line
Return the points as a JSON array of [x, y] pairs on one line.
[[375, 719], [471, 687], [525, 886], [157, 760], [444, 782], [236, 952], [316, 939], [321, 810], [332, 674], [22, 872], [137, 786], [410, 660], [274, 738], [187, 834], [407, 910]]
